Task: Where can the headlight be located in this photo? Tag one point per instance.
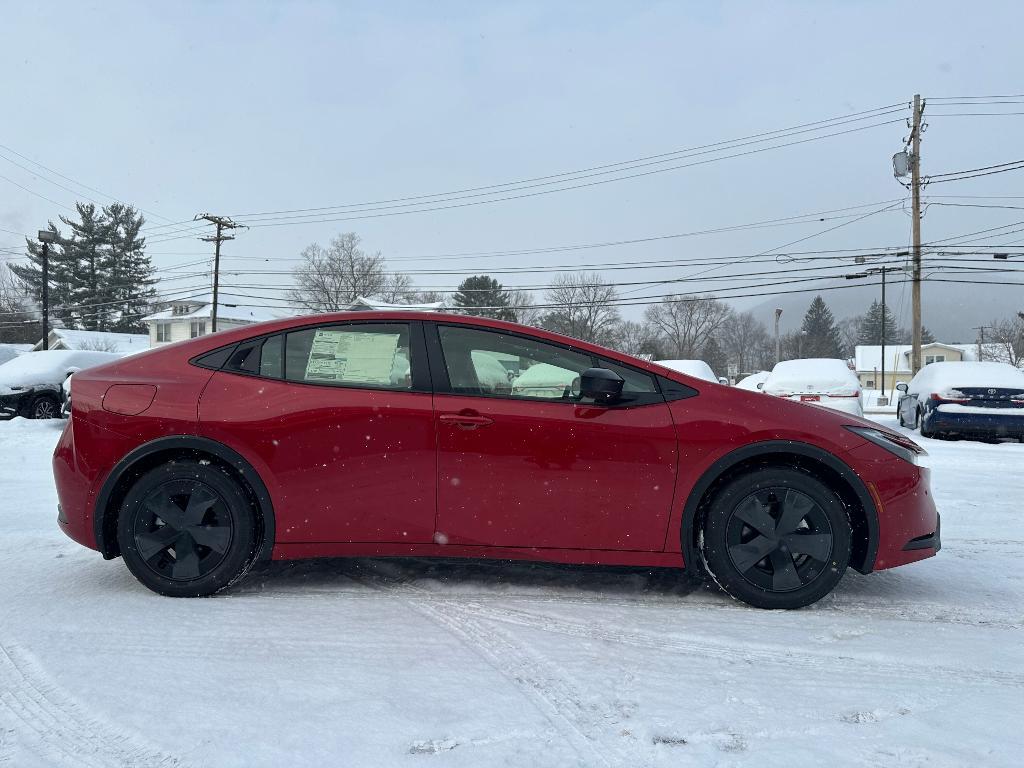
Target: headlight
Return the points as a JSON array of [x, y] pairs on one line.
[[899, 445]]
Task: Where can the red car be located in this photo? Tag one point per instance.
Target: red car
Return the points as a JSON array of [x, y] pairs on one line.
[[399, 433]]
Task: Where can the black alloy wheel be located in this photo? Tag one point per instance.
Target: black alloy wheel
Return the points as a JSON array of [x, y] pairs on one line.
[[187, 529], [776, 538]]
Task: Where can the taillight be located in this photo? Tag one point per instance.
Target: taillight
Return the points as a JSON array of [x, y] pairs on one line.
[[951, 396]]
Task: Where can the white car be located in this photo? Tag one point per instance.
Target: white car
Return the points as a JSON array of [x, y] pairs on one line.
[[696, 368], [817, 381], [754, 381]]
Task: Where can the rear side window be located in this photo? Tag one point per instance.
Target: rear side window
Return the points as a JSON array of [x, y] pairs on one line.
[[371, 355], [635, 381]]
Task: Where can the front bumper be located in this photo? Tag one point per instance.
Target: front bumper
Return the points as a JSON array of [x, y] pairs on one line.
[[11, 405], [932, 541], [976, 424]]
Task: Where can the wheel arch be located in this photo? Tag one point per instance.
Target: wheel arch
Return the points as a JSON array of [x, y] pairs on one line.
[[824, 465], [160, 451]]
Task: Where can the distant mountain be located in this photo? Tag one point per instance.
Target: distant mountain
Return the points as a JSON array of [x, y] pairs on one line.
[[951, 311]]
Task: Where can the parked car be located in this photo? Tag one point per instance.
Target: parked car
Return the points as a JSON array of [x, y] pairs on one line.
[[696, 368], [964, 399], [30, 384], [293, 439], [816, 381], [754, 382]]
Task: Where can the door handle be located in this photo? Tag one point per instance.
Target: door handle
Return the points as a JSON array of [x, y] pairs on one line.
[[465, 420]]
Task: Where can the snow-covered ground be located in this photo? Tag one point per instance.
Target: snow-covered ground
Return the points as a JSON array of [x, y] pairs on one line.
[[410, 663]]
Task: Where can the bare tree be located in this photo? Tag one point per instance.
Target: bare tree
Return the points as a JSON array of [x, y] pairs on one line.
[[17, 321], [685, 323], [583, 306], [330, 279], [849, 334], [397, 289], [742, 336], [638, 339], [1008, 334], [100, 345], [522, 305]]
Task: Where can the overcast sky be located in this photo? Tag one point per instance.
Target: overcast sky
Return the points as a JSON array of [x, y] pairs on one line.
[[248, 107]]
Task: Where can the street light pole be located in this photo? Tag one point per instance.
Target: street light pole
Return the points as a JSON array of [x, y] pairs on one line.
[[46, 237], [778, 356], [883, 271]]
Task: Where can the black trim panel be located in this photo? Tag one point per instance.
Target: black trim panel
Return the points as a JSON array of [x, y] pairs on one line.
[[928, 541], [186, 443], [691, 557]]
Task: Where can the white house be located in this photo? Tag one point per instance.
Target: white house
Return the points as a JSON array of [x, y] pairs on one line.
[[363, 304], [868, 360], [95, 341], [189, 318]]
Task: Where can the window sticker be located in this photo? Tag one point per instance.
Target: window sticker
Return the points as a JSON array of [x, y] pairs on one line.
[[352, 357]]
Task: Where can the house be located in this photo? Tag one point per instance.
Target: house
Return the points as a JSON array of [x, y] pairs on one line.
[[868, 360], [188, 318], [95, 341], [363, 304]]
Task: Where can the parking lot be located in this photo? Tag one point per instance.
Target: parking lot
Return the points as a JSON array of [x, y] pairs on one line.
[[375, 662]]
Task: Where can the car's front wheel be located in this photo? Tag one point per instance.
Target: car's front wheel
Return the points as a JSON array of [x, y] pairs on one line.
[[43, 407], [776, 538], [187, 529]]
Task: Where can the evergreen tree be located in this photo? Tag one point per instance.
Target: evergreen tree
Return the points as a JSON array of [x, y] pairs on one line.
[[820, 332], [873, 322], [713, 355], [483, 296], [100, 278]]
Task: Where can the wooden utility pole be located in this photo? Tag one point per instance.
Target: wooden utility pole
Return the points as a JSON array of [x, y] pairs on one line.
[[222, 223], [915, 181]]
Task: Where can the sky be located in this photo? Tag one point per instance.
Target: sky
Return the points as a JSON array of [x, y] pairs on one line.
[[238, 108]]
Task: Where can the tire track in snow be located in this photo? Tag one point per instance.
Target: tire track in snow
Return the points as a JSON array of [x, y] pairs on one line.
[[54, 727], [543, 682], [749, 653]]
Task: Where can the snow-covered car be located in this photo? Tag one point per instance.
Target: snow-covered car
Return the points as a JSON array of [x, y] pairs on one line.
[[818, 381], [30, 384], [696, 368], [965, 399], [754, 381], [11, 351], [544, 380]]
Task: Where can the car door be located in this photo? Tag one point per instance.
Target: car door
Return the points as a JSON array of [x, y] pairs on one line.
[[522, 463], [338, 420]]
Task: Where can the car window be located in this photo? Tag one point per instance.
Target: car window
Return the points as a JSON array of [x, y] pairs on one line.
[[374, 355], [635, 381], [493, 363], [272, 357]]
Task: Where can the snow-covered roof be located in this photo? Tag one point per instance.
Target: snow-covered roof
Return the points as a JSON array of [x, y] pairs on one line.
[[953, 375], [897, 356], [816, 375], [97, 341], [11, 351], [696, 368], [228, 308], [362, 303], [49, 367]]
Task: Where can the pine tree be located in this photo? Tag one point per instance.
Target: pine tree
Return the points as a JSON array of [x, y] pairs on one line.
[[88, 249], [129, 269], [820, 332], [63, 271], [713, 355], [483, 296], [872, 324]]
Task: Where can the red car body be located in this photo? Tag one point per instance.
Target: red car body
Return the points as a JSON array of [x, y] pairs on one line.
[[339, 471]]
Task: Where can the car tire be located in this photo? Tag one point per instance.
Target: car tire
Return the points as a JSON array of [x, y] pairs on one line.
[[792, 523], [187, 529], [925, 432], [43, 407]]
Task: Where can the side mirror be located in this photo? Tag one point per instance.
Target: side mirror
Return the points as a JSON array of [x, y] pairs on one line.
[[760, 385], [902, 387], [600, 384], [723, 381]]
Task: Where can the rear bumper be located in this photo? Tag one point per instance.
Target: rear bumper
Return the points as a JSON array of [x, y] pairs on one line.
[[975, 424], [11, 406]]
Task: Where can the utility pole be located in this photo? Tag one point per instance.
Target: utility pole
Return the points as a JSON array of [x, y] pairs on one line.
[[915, 181], [778, 355], [981, 341], [883, 271], [222, 223], [46, 237]]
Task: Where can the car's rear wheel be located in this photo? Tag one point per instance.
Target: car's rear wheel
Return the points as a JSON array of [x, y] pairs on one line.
[[925, 432], [776, 538], [187, 529], [43, 407]]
